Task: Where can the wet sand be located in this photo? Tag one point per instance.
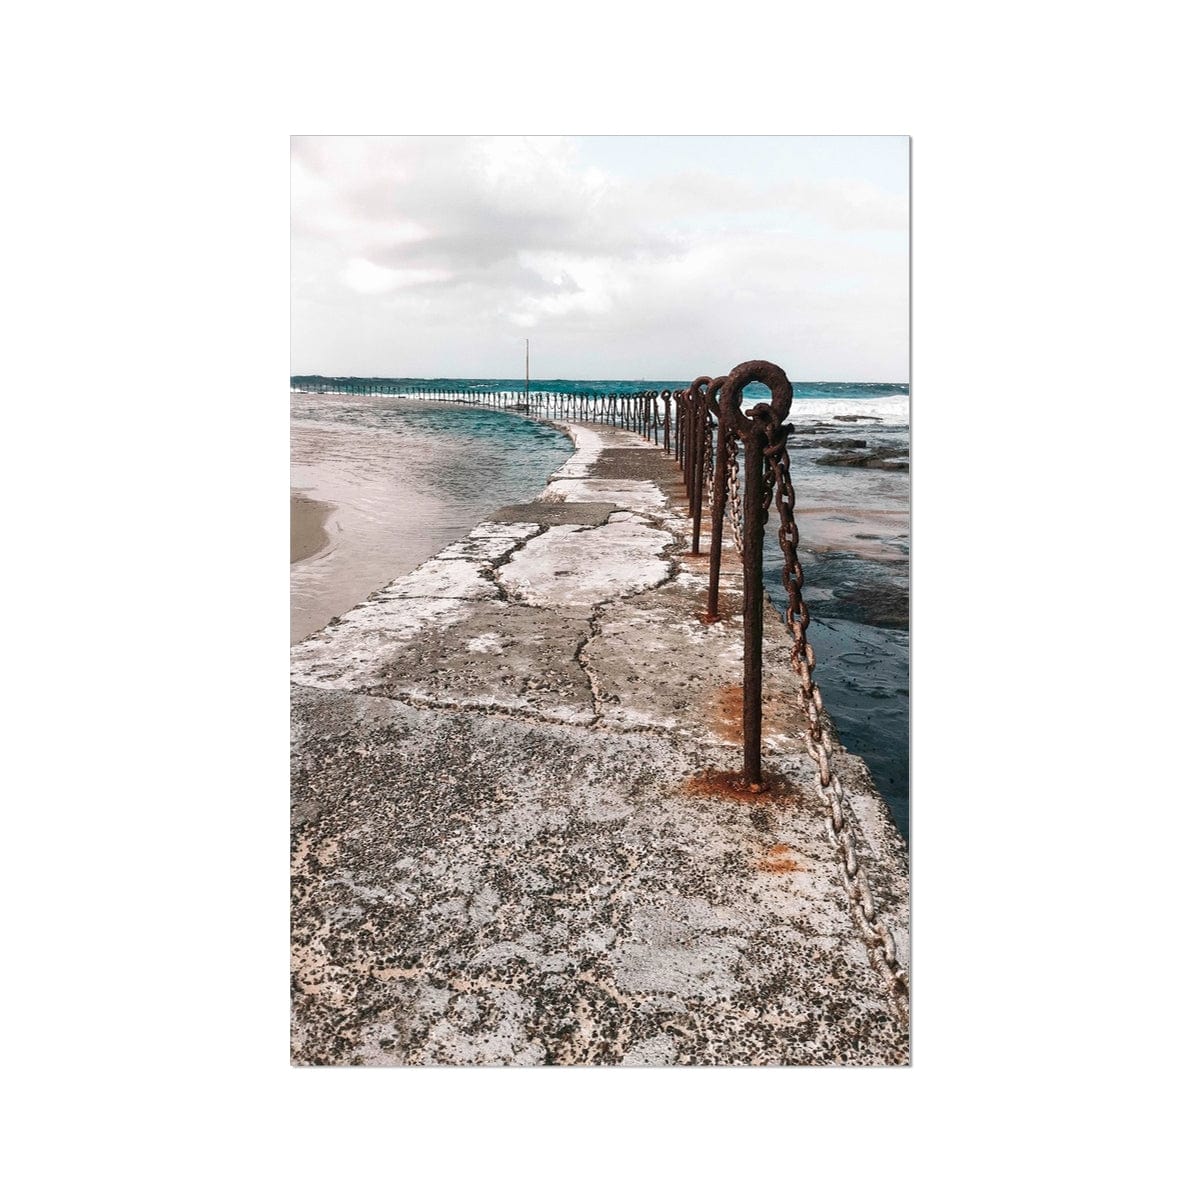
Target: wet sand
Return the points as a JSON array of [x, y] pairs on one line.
[[309, 535], [382, 487], [375, 518]]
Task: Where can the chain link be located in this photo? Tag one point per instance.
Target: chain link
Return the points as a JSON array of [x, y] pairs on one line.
[[733, 494], [709, 458]]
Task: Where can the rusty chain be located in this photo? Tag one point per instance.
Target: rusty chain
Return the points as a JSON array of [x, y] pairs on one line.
[[709, 457], [733, 493], [817, 726]]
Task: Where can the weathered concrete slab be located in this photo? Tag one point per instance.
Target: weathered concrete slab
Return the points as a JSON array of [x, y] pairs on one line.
[[350, 652], [504, 892], [450, 578], [510, 846], [570, 565], [556, 513], [645, 462], [499, 657], [492, 540], [631, 495]]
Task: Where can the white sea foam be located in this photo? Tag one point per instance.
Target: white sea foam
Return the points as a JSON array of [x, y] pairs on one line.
[[891, 410]]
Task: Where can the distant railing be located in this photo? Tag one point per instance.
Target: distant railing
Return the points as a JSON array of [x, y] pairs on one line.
[[706, 408], [704, 426], [639, 411]]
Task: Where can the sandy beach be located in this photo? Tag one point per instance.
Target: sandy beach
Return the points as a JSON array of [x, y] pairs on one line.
[[309, 535]]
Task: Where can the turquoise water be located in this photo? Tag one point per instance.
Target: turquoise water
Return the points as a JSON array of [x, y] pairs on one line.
[[454, 465]]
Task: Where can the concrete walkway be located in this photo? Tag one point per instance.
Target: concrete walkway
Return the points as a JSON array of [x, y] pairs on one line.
[[512, 840]]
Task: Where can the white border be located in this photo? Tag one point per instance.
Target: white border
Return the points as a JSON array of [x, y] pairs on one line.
[[1052, 287]]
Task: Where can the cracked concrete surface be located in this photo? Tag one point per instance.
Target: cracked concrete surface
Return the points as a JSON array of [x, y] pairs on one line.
[[511, 842]]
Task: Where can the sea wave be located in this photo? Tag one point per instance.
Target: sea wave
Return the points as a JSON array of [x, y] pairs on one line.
[[888, 410]]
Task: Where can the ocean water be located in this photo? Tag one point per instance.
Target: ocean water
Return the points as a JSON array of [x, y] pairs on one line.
[[409, 475]]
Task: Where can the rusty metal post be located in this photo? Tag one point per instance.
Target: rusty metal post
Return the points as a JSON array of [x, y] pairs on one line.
[[692, 445], [685, 435], [752, 610], [693, 471], [666, 397], [755, 429], [684, 423], [720, 499], [699, 423]]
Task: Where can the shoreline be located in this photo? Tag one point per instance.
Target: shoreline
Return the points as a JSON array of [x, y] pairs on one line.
[[387, 524]]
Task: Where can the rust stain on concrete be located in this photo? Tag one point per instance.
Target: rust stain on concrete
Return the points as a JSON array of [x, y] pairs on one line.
[[774, 792], [779, 859], [724, 705]]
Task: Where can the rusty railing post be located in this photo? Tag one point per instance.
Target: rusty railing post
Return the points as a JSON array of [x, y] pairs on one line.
[[698, 400], [752, 607], [720, 487], [685, 445], [755, 429], [681, 427]]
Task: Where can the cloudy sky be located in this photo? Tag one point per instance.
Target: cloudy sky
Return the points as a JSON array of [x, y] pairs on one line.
[[619, 257]]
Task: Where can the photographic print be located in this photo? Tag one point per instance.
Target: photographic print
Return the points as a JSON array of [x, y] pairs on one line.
[[599, 601]]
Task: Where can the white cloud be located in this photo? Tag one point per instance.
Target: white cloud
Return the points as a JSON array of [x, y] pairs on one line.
[[418, 256], [371, 280]]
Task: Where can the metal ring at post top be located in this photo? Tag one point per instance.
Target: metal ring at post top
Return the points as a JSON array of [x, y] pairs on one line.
[[701, 381], [755, 371], [713, 396]]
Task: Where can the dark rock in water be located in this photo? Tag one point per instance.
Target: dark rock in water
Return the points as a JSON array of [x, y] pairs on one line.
[[879, 460], [842, 443], [856, 417], [874, 602]]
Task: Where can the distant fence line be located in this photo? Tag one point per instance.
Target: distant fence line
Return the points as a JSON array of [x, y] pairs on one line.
[[734, 464], [646, 411]]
